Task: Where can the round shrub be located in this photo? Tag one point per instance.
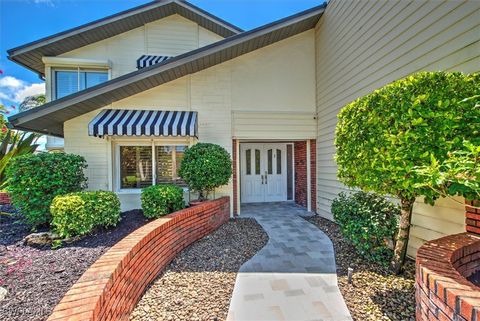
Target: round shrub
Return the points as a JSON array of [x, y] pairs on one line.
[[368, 221], [79, 213], [205, 167], [34, 180], [160, 200]]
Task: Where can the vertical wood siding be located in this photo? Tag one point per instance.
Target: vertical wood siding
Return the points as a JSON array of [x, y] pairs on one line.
[[363, 45]]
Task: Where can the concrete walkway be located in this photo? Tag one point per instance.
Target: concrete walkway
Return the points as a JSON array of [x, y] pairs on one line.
[[293, 277]]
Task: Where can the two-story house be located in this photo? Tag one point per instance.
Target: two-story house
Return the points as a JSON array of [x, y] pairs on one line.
[[131, 91]]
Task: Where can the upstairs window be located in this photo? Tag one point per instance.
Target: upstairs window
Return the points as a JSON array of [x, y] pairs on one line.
[[67, 81]]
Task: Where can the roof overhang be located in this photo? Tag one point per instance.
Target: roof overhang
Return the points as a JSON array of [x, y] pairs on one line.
[[49, 118], [30, 55]]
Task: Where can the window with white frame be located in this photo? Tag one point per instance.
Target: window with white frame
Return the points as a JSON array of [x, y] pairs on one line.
[[69, 81], [142, 166]]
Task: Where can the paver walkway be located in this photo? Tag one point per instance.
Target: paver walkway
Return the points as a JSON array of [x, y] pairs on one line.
[[293, 277]]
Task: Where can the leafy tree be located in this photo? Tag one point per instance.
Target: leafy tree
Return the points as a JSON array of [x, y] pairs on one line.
[[385, 139], [205, 167], [32, 102]]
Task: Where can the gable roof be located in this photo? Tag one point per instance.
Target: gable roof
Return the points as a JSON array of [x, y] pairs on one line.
[[30, 55], [49, 118]]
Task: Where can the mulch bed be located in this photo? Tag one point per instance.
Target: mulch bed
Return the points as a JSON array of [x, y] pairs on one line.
[[198, 283], [376, 294], [37, 278]]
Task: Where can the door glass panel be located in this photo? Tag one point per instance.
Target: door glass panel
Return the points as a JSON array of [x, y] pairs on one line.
[[279, 161], [270, 162], [289, 172], [248, 161], [257, 162]]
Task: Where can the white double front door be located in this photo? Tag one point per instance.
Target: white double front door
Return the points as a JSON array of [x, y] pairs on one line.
[[263, 172]]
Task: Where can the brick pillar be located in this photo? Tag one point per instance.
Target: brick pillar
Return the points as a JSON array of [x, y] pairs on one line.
[[300, 159], [472, 217], [235, 176]]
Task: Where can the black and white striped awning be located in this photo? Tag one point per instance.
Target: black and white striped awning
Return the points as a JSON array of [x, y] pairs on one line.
[[148, 60], [124, 122]]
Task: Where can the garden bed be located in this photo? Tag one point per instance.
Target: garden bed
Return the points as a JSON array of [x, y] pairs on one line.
[[198, 283], [37, 278], [376, 294]]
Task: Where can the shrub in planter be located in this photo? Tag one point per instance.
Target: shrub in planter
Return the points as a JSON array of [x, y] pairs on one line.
[[205, 167], [79, 213], [34, 180], [368, 221], [160, 200]]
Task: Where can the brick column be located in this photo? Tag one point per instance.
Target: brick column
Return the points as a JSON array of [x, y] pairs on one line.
[[300, 159], [235, 176], [472, 217]]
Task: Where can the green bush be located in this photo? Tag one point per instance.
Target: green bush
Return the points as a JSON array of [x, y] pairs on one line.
[[34, 180], [160, 200], [205, 167], [368, 221], [79, 213]]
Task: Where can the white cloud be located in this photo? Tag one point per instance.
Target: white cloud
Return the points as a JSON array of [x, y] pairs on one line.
[[14, 91]]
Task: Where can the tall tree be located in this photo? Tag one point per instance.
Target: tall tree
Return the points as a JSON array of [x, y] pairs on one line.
[[32, 102]]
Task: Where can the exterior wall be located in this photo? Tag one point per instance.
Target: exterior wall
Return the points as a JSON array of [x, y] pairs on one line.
[[363, 45], [301, 176], [216, 94]]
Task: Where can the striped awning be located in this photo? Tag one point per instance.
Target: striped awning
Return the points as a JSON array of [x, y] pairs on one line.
[[124, 122], [148, 60]]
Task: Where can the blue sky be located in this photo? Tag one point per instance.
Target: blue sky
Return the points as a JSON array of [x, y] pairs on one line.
[[22, 21]]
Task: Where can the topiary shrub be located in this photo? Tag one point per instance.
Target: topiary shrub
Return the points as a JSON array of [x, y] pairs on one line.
[[205, 167], [34, 180], [79, 213], [384, 140], [368, 221], [160, 200]]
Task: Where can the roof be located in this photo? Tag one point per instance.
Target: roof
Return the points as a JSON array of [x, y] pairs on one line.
[[30, 55], [49, 118]]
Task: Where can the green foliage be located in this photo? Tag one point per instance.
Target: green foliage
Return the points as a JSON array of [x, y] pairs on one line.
[[205, 167], [458, 174], [160, 200], [383, 137], [79, 213], [368, 221], [35, 179], [12, 145]]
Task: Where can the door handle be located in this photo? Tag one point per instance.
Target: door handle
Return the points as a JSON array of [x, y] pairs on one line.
[[266, 182], [262, 179]]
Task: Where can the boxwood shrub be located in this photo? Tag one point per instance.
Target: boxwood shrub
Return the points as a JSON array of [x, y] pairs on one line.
[[368, 221], [160, 200], [34, 180], [79, 213]]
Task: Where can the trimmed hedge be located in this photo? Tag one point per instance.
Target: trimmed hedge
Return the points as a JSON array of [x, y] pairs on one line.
[[160, 200], [34, 180], [79, 213], [368, 221]]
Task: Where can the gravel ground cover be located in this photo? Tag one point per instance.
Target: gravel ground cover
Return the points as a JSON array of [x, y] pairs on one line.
[[37, 278], [198, 283], [375, 294]]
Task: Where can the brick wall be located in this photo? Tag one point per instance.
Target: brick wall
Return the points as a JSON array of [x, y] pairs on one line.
[[235, 176], [472, 219], [300, 151], [112, 286], [442, 290], [5, 198]]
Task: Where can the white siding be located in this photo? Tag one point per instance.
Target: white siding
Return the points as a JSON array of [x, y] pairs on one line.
[[363, 45], [216, 93]]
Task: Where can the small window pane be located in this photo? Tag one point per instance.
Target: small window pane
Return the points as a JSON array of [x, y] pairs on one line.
[[164, 156], [135, 166], [179, 154], [289, 172], [248, 161], [257, 162], [279, 161], [66, 83], [93, 78], [270, 162]]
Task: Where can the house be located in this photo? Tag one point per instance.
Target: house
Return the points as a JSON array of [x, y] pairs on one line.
[[131, 91]]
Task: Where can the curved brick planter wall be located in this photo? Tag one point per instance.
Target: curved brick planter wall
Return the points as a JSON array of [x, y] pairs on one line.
[[442, 290], [5, 198], [111, 287]]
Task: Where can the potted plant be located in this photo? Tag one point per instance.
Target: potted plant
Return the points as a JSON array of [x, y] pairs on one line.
[[205, 167]]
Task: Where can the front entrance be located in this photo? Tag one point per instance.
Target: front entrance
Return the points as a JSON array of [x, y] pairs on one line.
[[263, 172]]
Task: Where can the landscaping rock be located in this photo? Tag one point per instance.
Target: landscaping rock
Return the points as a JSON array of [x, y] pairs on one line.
[[376, 293], [199, 282], [40, 239], [3, 293]]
